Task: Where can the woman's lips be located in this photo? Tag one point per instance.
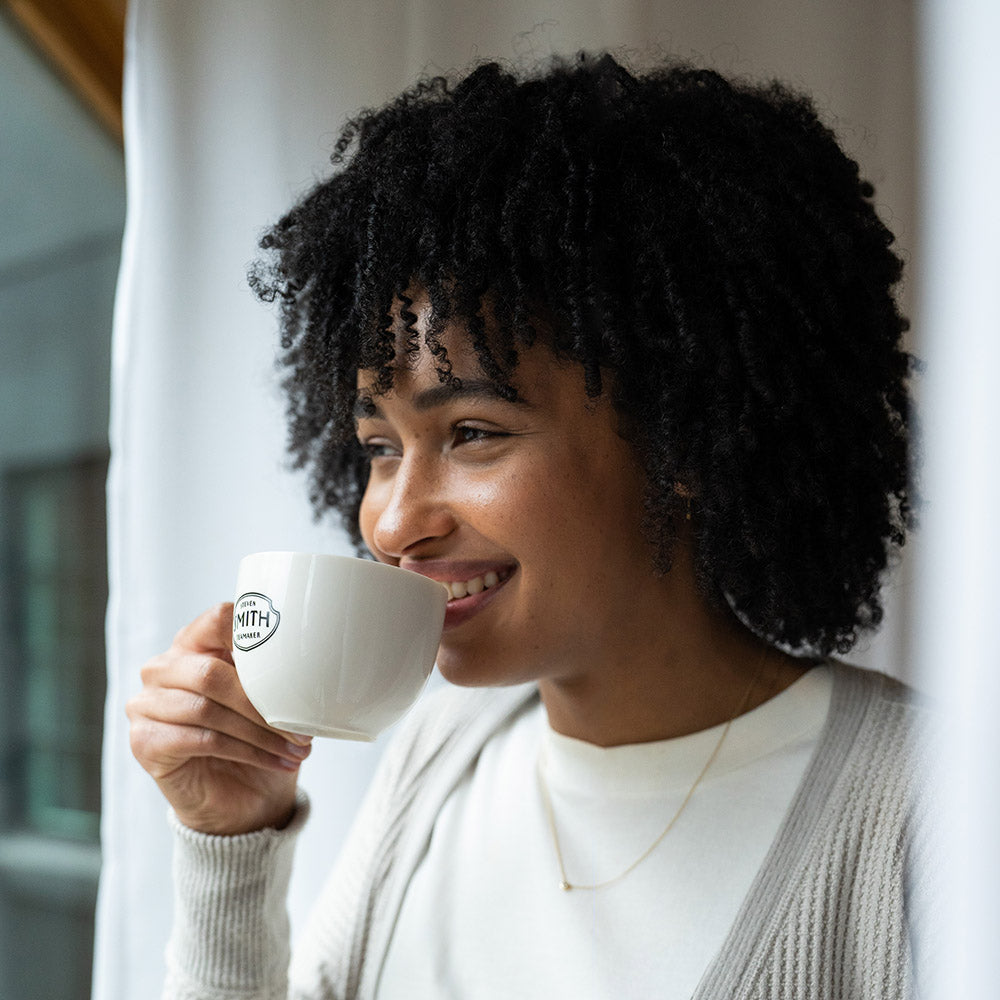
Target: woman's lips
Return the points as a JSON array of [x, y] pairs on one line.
[[461, 609], [471, 585]]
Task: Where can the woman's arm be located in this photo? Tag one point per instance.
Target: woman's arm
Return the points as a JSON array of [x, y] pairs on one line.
[[230, 933], [231, 782]]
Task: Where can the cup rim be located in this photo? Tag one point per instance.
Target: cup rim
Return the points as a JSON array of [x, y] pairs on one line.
[[373, 565]]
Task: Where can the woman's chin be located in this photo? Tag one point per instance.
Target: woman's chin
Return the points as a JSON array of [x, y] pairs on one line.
[[462, 670], [466, 668]]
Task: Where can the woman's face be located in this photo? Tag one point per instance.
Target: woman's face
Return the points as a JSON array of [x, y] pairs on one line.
[[531, 510]]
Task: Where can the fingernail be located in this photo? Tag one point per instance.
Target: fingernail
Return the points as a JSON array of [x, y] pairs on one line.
[[298, 752], [299, 739]]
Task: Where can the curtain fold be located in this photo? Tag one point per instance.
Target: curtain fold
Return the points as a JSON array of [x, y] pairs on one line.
[[231, 110], [959, 546]]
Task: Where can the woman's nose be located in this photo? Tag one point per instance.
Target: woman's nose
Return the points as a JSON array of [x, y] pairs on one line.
[[410, 508]]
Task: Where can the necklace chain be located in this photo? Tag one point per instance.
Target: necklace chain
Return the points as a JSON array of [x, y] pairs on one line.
[[564, 882]]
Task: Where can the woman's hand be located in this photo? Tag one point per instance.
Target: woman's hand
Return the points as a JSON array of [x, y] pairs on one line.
[[221, 767]]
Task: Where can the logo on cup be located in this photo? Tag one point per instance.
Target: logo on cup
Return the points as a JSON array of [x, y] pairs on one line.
[[255, 620]]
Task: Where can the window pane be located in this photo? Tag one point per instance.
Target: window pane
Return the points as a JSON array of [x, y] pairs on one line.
[[56, 552], [62, 206]]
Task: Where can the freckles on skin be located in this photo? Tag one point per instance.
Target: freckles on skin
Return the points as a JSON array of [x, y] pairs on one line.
[[550, 490], [543, 492]]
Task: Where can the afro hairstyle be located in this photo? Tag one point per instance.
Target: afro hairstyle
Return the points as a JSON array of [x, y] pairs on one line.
[[701, 246]]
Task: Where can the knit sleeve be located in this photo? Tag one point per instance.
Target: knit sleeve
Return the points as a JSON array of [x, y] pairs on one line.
[[230, 936]]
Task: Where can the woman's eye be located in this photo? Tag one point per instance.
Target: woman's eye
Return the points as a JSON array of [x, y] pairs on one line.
[[466, 434], [376, 448]]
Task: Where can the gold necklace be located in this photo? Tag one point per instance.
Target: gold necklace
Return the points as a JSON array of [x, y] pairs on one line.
[[564, 882]]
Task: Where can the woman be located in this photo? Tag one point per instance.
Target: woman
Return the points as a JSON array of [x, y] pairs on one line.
[[616, 357]]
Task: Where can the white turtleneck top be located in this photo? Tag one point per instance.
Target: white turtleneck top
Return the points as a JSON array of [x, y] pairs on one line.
[[499, 923]]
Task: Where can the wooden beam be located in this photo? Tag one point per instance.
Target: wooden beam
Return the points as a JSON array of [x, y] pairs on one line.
[[85, 42]]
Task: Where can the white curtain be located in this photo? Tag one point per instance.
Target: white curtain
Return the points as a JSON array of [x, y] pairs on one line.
[[959, 550], [231, 111]]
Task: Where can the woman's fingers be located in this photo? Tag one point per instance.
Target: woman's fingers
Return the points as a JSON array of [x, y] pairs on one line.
[[192, 705], [221, 767], [195, 725], [206, 675], [202, 673], [215, 783], [210, 632], [163, 748]]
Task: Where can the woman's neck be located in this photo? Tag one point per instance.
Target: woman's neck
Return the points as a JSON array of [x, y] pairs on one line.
[[677, 669]]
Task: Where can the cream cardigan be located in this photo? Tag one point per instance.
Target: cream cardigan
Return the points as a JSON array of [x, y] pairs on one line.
[[835, 911]]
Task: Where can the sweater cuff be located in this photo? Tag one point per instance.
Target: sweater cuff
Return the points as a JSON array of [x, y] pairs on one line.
[[230, 932]]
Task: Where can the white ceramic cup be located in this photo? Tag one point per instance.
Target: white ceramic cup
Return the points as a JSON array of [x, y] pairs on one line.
[[333, 646]]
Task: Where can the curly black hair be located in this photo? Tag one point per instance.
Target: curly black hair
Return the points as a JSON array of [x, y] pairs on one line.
[[702, 247]]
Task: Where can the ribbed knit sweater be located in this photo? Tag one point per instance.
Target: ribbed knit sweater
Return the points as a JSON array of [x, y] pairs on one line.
[[834, 912]]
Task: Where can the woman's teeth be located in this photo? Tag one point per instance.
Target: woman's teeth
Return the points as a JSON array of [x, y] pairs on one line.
[[463, 588]]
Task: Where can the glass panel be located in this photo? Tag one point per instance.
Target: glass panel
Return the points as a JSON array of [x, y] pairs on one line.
[[62, 206], [59, 588]]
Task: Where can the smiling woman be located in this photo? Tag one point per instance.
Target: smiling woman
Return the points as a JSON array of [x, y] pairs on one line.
[[616, 357]]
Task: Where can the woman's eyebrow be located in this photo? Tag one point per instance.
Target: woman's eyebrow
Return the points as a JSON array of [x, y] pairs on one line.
[[474, 389], [440, 395]]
